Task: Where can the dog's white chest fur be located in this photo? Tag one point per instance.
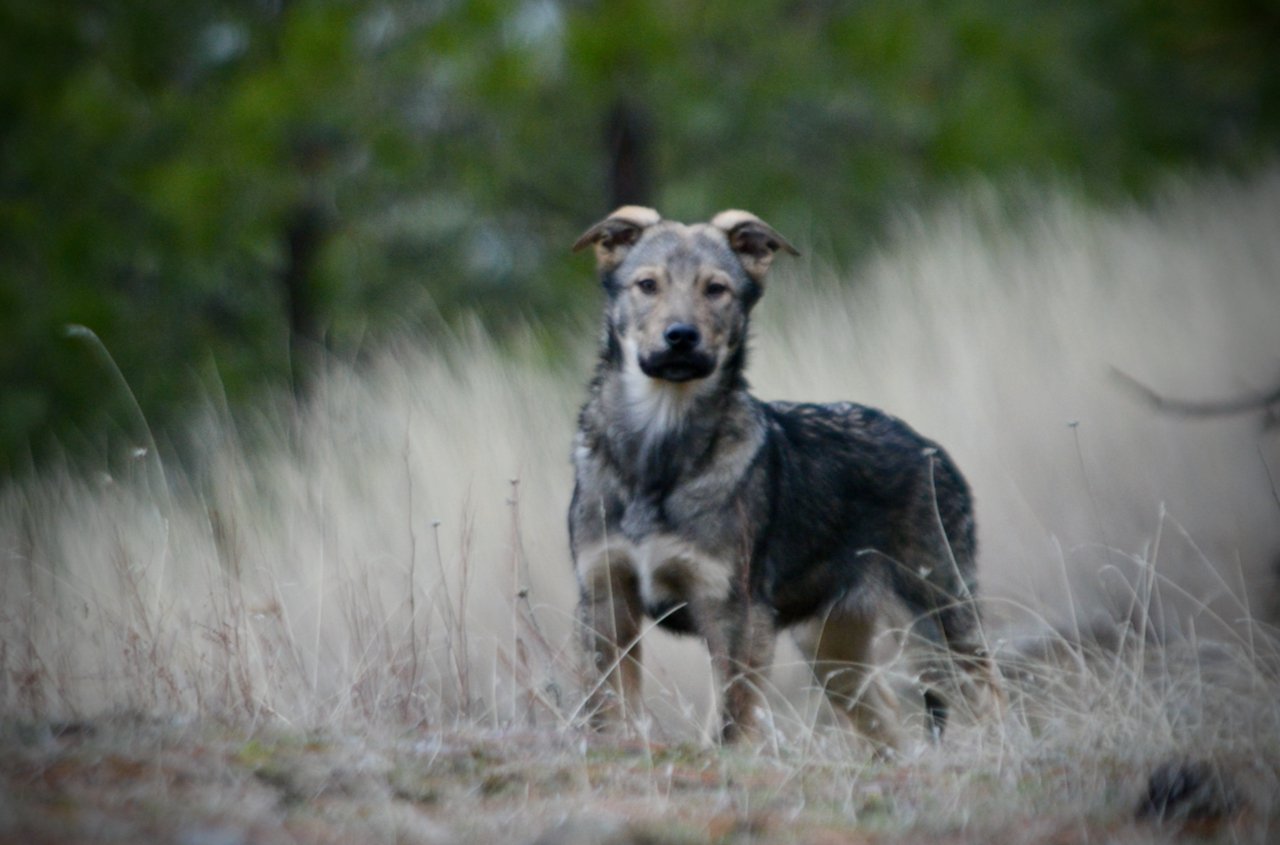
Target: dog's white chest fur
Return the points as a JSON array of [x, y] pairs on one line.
[[654, 407]]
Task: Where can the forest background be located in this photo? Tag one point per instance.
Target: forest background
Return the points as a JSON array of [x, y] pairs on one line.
[[222, 191]]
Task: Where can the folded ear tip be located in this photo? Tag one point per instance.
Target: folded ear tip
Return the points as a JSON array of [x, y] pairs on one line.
[[640, 215], [729, 218], [620, 229], [735, 220]]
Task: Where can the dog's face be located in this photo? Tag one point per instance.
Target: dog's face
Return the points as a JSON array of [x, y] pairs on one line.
[[679, 295]]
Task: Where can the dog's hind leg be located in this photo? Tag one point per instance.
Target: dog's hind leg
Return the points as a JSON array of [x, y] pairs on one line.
[[962, 633], [937, 674], [609, 615], [934, 575], [840, 652], [955, 664]]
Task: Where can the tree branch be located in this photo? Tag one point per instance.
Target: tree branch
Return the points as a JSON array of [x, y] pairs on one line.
[[1199, 407]]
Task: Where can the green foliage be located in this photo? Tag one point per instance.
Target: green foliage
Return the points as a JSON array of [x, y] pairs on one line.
[[164, 167]]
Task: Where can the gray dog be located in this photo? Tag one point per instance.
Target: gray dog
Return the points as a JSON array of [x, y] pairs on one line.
[[719, 515]]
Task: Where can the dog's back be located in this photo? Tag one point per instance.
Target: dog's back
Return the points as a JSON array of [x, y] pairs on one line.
[[860, 495]]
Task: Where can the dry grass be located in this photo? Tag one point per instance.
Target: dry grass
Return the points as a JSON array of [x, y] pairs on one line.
[[360, 629]]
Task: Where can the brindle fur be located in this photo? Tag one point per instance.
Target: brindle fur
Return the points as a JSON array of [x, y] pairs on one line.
[[719, 515]]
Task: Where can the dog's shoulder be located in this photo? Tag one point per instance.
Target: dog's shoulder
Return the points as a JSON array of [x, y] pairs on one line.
[[591, 456]]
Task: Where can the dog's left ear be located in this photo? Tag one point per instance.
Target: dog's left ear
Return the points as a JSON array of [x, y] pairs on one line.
[[614, 236], [754, 240]]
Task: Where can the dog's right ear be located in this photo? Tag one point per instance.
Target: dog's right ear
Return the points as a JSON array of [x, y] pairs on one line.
[[614, 236]]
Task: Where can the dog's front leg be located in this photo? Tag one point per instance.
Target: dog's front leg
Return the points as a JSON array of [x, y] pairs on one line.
[[609, 619], [740, 638]]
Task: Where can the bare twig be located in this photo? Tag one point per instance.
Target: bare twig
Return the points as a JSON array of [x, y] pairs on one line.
[[1198, 407], [1275, 491]]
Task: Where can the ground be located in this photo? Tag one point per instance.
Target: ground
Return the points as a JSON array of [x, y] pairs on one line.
[[136, 779]]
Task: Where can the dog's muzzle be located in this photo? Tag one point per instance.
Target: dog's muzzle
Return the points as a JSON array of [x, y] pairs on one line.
[[681, 360], [677, 365]]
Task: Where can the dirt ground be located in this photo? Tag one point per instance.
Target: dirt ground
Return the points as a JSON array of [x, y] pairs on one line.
[[133, 779]]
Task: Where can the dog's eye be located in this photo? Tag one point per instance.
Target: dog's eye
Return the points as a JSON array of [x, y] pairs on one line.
[[647, 285], [714, 290]]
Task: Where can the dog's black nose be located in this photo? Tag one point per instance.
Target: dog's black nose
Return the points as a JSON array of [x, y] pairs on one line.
[[682, 336]]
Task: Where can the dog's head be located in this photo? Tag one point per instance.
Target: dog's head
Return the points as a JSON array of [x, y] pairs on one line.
[[679, 295]]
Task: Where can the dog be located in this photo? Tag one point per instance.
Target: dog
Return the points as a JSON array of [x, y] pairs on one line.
[[717, 514]]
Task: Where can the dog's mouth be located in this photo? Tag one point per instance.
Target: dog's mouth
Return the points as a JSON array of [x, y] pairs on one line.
[[677, 367]]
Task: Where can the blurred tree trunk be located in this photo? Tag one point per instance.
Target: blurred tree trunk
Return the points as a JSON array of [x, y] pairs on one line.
[[305, 234], [628, 135]]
